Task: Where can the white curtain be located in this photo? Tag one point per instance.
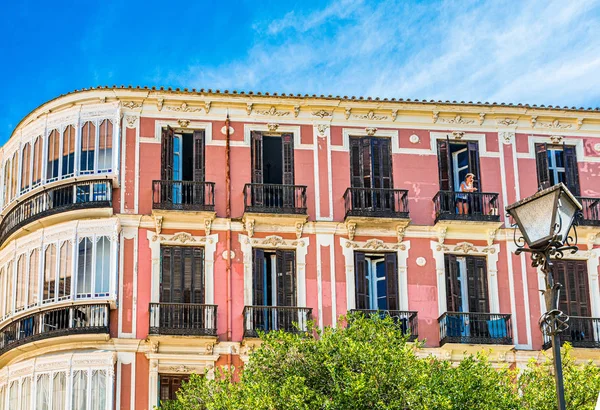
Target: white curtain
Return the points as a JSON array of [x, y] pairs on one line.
[[84, 268], [59, 391], [102, 281], [43, 392], [25, 394], [98, 390], [13, 398], [2, 394], [79, 390]]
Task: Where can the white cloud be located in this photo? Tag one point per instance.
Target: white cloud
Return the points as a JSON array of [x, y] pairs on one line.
[[544, 52]]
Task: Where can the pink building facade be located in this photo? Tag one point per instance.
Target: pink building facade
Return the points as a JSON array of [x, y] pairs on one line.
[[149, 234]]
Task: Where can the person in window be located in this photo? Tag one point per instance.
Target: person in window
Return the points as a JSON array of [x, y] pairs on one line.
[[463, 199]]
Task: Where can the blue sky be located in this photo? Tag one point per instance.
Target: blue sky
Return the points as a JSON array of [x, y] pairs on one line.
[[534, 51]]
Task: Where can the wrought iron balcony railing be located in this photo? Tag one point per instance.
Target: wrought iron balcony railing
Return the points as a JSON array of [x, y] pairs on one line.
[[582, 332], [69, 320], [67, 197], [590, 214], [183, 195], [269, 318], [376, 202], [475, 328], [406, 319], [188, 319], [275, 198], [466, 206]]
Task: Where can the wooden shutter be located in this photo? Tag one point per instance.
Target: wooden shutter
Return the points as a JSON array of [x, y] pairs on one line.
[[571, 171], [356, 178], [286, 284], [257, 160], [391, 278], [187, 284], [575, 293], [199, 156], [453, 291], [361, 283], [365, 145], [167, 154], [444, 163], [287, 144], [166, 273], [541, 159], [473, 149], [381, 163], [258, 277], [477, 289], [198, 293], [177, 276]]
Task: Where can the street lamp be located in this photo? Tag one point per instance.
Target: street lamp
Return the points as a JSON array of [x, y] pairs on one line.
[[544, 221]]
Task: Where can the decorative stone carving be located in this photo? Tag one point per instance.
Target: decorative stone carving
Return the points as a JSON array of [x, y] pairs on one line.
[[207, 226], [556, 124], [579, 123], [102, 99], [591, 240], [183, 237], [394, 115], [321, 128], [248, 108], [183, 123], [481, 118], [492, 236], [273, 240], [414, 139], [181, 369], [376, 244], [506, 122], [371, 116], [130, 121], [272, 127], [131, 104], [299, 229], [400, 231], [182, 108], [159, 103], [533, 121], [421, 261], [507, 137], [556, 139], [351, 227], [347, 112], [456, 120], [158, 220], [209, 348], [442, 234], [273, 112], [153, 346], [207, 105], [597, 147], [322, 113], [435, 116], [465, 247], [458, 134], [296, 110], [370, 131], [250, 227]]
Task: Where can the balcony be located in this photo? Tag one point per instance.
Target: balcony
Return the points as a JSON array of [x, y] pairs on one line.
[[406, 319], [475, 328], [275, 199], [183, 195], [64, 321], [582, 332], [466, 206], [376, 202], [590, 214], [183, 319], [272, 318], [62, 198]]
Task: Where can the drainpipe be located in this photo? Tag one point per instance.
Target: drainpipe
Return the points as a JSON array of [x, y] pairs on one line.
[[228, 233]]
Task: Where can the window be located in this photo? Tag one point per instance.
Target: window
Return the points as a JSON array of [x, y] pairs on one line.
[[102, 266], [98, 390], [272, 158], [49, 292], [376, 278], [59, 391], [53, 156], [43, 392], [37, 160], [371, 168], [21, 281], [105, 146], [7, 176], [455, 160], [13, 395], [182, 278], [68, 152], [34, 273], [88, 146], [2, 396], [466, 284], [557, 163], [79, 396], [65, 270], [169, 385], [10, 276], [274, 278], [84, 268], [14, 175], [93, 267], [575, 292], [26, 394], [25, 167]]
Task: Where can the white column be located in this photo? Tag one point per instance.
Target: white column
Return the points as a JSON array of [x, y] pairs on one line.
[[153, 384]]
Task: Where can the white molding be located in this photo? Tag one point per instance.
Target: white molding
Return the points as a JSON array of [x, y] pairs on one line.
[[275, 242], [281, 128], [193, 125], [538, 139], [468, 136], [360, 132], [374, 245]]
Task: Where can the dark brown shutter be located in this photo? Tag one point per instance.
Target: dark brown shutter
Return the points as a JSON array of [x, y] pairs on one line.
[[199, 156], [198, 276], [286, 286], [257, 160], [362, 285], [391, 278], [477, 289], [541, 158], [575, 292], [473, 148], [365, 145], [453, 293], [165, 282], [167, 154], [177, 277], [287, 143], [356, 178], [571, 171], [258, 277], [445, 173]]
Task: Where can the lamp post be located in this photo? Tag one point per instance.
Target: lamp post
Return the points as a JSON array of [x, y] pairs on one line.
[[544, 221]]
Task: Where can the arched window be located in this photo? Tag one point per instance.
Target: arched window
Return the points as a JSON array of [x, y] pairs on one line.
[[88, 146], [53, 154], [14, 175], [21, 282], [7, 194], [105, 146], [84, 268], [65, 270], [34, 275], [10, 280], [49, 273], [37, 160], [25, 167], [2, 294], [102, 279], [68, 152]]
